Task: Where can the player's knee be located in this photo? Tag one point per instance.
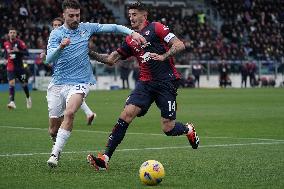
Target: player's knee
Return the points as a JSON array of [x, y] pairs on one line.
[[24, 84], [12, 83], [168, 133], [69, 114], [167, 125], [128, 115]]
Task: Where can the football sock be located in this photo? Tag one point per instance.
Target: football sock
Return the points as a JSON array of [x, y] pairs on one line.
[[116, 137], [53, 138], [179, 129], [61, 139], [86, 109], [11, 93], [26, 89]]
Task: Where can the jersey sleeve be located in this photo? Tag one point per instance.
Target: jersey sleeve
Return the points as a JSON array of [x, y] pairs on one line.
[[163, 32], [125, 51], [53, 48], [108, 28], [6, 47], [23, 48], [22, 44]]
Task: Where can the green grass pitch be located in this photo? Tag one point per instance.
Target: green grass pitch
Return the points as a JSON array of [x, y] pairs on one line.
[[241, 133]]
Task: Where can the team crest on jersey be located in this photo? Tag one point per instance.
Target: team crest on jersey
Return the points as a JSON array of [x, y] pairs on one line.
[[147, 32], [146, 45], [145, 57]]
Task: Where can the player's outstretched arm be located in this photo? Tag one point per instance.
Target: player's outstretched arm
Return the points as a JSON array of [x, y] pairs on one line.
[[176, 46], [109, 59], [101, 28]]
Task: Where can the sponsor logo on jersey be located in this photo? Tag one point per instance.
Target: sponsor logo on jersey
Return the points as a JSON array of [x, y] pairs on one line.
[[145, 57]]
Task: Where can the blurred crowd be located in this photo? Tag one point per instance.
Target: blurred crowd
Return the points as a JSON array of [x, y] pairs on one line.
[[251, 28], [255, 26], [33, 20]]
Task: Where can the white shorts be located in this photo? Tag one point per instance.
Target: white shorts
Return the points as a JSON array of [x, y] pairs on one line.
[[58, 96]]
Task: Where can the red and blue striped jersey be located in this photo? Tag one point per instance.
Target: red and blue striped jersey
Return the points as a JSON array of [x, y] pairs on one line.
[[157, 36], [15, 59]]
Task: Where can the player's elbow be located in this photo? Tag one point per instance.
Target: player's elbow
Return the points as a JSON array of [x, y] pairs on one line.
[[112, 59], [110, 62], [181, 46]]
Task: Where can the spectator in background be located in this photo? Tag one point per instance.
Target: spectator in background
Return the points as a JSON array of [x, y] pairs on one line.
[[196, 72], [23, 11], [244, 74], [251, 73], [136, 71], [224, 74], [201, 17], [124, 68]]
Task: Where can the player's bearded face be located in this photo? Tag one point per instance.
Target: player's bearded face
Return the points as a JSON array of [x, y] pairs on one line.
[[137, 18], [72, 18], [12, 34]]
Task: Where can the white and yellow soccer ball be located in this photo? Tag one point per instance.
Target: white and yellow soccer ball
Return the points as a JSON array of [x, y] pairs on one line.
[[151, 172]]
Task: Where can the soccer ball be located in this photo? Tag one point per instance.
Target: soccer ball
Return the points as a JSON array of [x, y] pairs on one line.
[[151, 172]]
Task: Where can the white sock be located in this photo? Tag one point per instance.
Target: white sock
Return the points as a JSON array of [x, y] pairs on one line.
[[61, 139], [86, 109]]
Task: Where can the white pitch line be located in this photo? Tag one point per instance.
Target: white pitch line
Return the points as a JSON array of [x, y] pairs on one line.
[[150, 148], [148, 134]]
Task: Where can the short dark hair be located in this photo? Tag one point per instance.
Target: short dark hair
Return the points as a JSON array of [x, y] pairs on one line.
[[139, 6], [58, 19], [70, 4], [12, 28]]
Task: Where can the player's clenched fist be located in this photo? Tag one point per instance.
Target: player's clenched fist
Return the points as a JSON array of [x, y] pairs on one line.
[[139, 39], [65, 42]]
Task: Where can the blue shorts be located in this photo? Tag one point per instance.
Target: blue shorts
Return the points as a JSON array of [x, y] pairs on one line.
[[162, 93], [21, 75]]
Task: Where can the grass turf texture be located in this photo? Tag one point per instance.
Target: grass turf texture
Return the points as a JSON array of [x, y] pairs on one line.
[[233, 125]]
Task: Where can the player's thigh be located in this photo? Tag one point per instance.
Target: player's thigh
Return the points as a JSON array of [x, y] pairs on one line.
[[141, 97], [22, 76], [166, 100], [11, 77], [54, 124], [75, 95], [56, 101]]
